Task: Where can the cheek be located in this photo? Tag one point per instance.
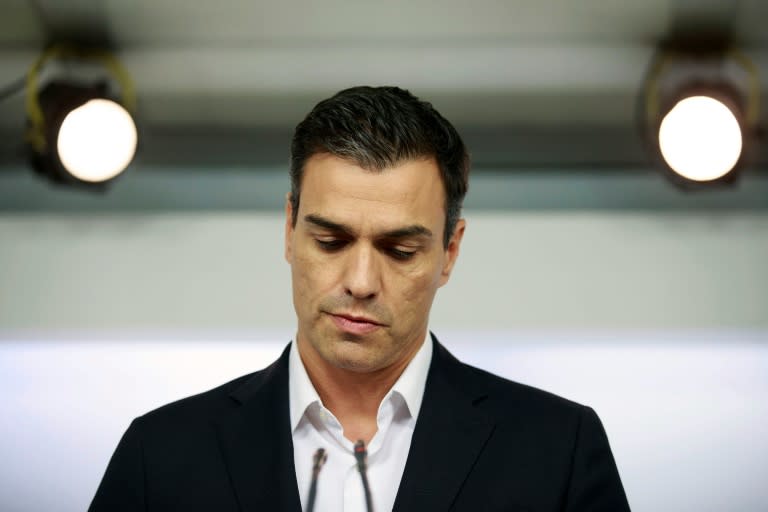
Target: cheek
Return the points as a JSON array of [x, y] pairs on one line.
[[312, 276], [301, 278], [416, 288]]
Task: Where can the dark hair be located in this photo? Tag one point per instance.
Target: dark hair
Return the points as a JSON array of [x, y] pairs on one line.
[[377, 128]]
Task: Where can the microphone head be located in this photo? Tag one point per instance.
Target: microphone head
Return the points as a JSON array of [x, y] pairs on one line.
[[360, 453], [319, 458]]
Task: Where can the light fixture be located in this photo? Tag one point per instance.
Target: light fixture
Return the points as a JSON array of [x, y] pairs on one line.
[[80, 126], [700, 113]]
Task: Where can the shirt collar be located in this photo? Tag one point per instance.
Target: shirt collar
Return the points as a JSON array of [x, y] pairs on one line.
[[301, 392], [413, 380], [410, 385]]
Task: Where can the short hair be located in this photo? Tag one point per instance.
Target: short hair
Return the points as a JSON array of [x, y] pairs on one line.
[[377, 128]]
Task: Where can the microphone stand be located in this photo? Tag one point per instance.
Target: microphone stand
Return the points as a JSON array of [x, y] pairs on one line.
[[361, 454], [317, 464]]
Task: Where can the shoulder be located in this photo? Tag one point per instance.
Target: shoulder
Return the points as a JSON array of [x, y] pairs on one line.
[[553, 424], [201, 405], [194, 415], [510, 397], [506, 400], [561, 444], [212, 404]]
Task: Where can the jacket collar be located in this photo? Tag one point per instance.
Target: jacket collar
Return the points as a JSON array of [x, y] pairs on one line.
[[451, 432], [257, 444]]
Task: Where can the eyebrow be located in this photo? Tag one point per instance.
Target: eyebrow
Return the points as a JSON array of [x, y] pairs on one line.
[[414, 230]]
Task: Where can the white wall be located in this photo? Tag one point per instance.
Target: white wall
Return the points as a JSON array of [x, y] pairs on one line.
[[659, 321]]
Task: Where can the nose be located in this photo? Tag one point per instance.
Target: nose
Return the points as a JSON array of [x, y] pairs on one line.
[[362, 276]]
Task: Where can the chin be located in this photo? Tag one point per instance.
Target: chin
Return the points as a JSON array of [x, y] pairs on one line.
[[352, 356]]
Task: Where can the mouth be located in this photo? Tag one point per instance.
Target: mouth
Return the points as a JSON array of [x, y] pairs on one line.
[[354, 324]]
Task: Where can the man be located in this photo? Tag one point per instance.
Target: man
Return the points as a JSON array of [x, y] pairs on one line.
[[372, 230]]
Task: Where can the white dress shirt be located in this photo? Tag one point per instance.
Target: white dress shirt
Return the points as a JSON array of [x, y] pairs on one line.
[[339, 486]]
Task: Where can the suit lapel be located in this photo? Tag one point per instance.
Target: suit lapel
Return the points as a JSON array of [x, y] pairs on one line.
[[450, 434], [257, 445]]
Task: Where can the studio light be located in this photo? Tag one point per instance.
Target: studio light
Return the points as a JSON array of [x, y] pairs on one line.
[[700, 113], [80, 127]]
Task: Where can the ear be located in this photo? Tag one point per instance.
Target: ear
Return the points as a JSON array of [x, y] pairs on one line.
[[452, 251], [288, 228]]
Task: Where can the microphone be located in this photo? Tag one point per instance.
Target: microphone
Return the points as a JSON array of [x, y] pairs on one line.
[[317, 464], [361, 454]]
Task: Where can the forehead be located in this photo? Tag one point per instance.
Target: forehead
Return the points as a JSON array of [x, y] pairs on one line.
[[411, 191]]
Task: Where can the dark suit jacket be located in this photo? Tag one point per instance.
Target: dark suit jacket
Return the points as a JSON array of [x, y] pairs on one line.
[[481, 443]]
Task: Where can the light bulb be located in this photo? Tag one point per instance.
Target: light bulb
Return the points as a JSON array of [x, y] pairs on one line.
[[700, 138], [97, 140]]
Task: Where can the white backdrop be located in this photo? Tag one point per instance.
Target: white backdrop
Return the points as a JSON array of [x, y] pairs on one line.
[[685, 412]]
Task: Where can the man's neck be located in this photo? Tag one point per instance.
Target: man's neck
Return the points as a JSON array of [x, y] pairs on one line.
[[352, 397]]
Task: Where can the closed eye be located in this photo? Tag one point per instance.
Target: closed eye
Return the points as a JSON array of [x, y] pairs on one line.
[[399, 254], [331, 245], [336, 244]]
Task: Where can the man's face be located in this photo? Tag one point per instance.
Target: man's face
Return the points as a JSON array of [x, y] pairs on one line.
[[366, 258]]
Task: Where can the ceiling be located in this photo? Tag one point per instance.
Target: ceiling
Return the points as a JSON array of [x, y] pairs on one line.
[[564, 73]]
